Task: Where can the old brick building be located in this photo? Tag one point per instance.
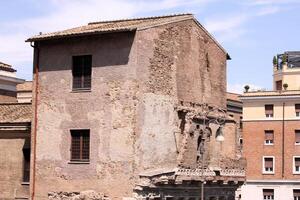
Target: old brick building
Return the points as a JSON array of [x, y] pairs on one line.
[[123, 108], [271, 132], [15, 121]]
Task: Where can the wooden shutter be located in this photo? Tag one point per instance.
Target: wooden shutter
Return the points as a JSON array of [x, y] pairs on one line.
[[269, 109], [268, 192], [278, 85], [297, 136], [269, 135], [296, 193], [268, 162], [297, 107], [297, 161]]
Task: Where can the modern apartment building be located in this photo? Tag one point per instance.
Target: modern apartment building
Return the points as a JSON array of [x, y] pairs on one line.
[[271, 133]]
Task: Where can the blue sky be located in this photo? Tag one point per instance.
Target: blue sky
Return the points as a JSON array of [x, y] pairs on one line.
[[252, 31]]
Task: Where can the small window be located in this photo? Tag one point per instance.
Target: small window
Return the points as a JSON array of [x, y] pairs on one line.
[[241, 122], [268, 194], [278, 85], [80, 145], [296, 165], [296, 194], [269, 137], [297, 110], [268, 165], [297, 137], [269, 111], [82, 72], [26, 165]]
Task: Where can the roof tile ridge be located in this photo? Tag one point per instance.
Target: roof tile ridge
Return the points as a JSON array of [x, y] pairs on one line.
[[140, 18]]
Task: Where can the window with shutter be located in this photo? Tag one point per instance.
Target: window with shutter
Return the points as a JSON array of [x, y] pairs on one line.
[[269, 111], [268, 165], [80, 145], [296, 165], [296, 193], [82, 72], [297, 110], [297, 137], [269, 137], [268, 194]]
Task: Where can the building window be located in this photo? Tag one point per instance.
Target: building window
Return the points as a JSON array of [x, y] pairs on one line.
[[296, 194], [269, 137], [26, 165], [82, 72], [278, 85], [269, 111], [268, 165], [80, 145], [296, 165], [268, 194], [297, 137], [297, 110]]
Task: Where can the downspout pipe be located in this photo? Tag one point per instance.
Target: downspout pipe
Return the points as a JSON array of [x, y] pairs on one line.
[[34, 132], [283, 137]]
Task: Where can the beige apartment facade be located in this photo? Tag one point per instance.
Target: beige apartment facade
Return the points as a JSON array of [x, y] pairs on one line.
[[15, 128], [122, 109], [271, 133]]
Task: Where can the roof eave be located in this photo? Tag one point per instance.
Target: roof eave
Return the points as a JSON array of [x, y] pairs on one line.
[[39, 39]]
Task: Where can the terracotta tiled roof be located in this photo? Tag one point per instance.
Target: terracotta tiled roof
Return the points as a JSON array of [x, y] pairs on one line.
[[271, 93], [6, 67], [113, 26], [26, 86], [15, 113], [233, 96]]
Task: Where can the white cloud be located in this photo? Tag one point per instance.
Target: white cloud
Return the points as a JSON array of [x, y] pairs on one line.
[[271, 2], [268, 10]]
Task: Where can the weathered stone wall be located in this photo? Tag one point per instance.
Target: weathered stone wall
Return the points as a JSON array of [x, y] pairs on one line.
[[11, 165]]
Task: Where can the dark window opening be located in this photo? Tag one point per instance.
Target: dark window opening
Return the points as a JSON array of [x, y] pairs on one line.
[[296, 194], [268, 165], [297, 136], [268, 194], [26, 165], [82, 72], [80, 145], [297, 110], [278, 85], [269, 110], [297, 165]]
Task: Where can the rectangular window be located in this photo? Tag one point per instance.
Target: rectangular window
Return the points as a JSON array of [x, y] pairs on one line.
[[82, 72], [268, 165], [297, 110], [269, 111], [278, 85], [80, 145], [296, 165], [296, 193], [268, 194], [26, 165], [297, 137], [269, 137]]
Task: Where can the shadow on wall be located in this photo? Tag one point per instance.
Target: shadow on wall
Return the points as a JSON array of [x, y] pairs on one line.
[[108, 49]]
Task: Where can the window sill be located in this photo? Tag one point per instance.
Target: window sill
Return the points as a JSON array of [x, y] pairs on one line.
[[297, 144], [81, 90], [25, 183], [269, 144], [296, 173], [268, 173], [79, 162]]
